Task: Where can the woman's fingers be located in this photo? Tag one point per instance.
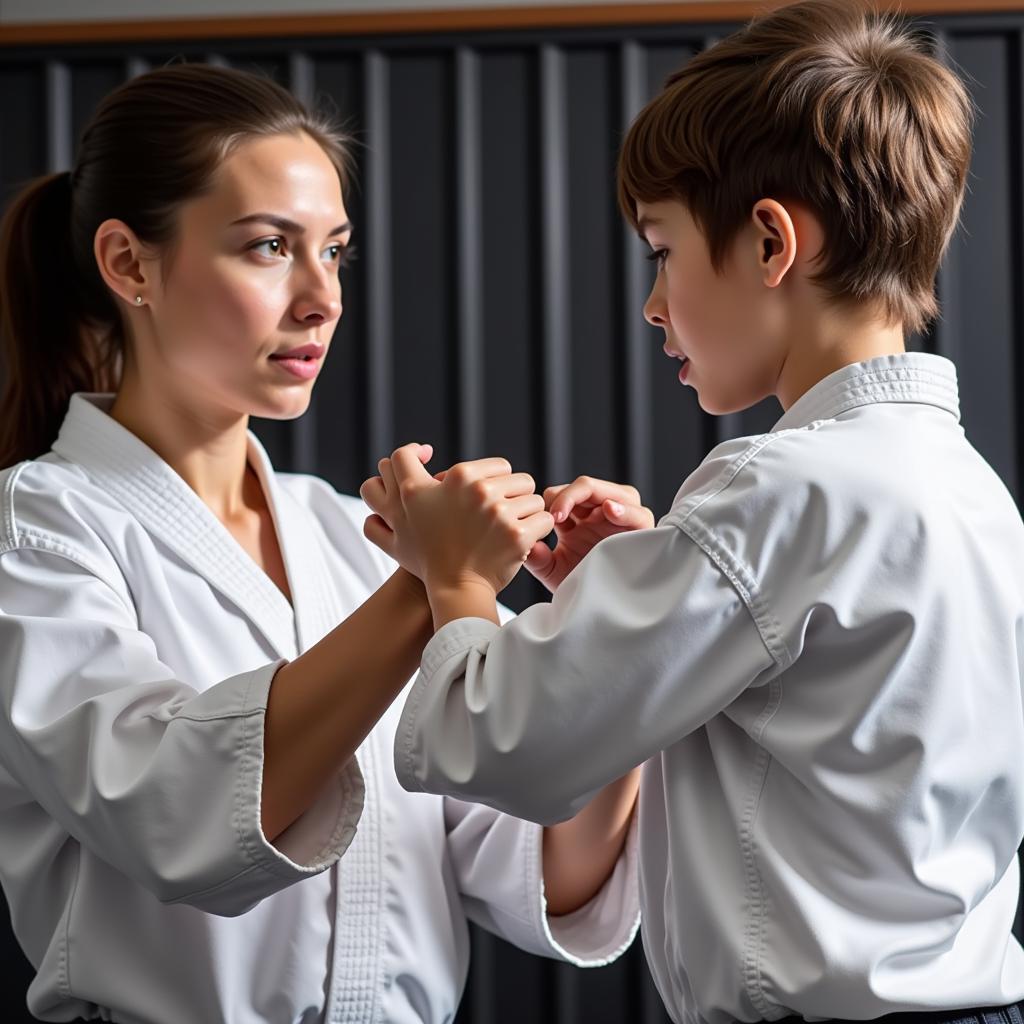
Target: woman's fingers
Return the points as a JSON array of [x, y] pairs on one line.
[[407, 464], [378, 532], [524, 506], [387, 475], [535, 528], [478, 469], [373, 492], [517, 484]]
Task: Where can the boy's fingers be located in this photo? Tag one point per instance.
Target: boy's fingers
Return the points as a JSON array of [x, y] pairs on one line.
[[540, 560], [587, 491], [550, 493], [629, 517]]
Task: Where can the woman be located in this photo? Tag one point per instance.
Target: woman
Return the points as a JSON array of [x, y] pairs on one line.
[[199, 816]]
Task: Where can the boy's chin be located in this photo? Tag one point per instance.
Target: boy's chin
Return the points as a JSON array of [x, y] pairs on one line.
[[722, 405]]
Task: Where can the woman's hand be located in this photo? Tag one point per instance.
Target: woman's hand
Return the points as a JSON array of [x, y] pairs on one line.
[[474, 526], [584, 512]]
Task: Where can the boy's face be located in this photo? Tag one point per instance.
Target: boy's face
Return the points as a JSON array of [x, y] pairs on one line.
[[726, 328]]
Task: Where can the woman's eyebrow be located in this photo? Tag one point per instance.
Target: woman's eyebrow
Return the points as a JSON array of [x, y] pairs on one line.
[[284, 224]]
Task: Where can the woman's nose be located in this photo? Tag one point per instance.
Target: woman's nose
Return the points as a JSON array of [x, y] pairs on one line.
[[320, 297]]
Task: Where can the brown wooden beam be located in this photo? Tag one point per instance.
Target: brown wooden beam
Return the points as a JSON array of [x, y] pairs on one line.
[[456, 20]]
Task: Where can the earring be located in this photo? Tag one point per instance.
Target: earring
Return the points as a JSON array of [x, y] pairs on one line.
[[138, 300]]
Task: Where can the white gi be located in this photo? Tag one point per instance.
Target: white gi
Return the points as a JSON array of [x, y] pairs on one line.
[[138, 641], [820, 649]]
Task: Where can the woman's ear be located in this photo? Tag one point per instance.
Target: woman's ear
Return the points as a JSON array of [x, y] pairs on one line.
[[119, 256], [776, 240]]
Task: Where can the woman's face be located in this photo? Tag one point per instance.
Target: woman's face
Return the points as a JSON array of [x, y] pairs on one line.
[[253, 274]]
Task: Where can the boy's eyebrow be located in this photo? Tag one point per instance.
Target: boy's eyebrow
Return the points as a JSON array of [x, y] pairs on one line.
[[284, 224], [643, 224]]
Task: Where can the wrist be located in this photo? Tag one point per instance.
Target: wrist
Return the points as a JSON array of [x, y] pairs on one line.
[[461, 596], [408, 584]]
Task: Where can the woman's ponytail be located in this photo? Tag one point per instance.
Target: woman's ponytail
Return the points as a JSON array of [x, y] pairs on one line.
[[46, 346]]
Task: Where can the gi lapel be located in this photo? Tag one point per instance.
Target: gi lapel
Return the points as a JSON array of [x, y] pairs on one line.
[[314, 598], [131, 472]]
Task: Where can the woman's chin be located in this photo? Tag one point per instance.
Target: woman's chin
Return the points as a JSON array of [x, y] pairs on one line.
[[284, 406]]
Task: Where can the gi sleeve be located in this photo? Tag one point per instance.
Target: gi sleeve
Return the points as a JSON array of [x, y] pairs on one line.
[[161, 781], [649, 637], [498, 867]]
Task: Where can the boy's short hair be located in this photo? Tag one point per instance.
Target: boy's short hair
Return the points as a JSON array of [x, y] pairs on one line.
[[825, 102]]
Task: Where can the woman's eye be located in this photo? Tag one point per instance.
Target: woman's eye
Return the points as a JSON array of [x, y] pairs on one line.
[[269, 246], [341, 254]]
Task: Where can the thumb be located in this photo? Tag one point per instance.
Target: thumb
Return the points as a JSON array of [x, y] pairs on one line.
[[378, 532], [408, 465], [540, 560]]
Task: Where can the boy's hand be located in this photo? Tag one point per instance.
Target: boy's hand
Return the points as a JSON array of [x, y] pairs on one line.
[[585, 512], [476, 524]]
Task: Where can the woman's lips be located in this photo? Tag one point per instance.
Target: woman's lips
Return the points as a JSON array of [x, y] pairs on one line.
[[304, 369]]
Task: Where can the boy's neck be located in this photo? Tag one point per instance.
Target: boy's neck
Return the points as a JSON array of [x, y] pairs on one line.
[[829, 345]]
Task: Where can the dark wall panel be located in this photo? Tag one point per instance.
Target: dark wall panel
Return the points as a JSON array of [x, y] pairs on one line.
[[495, 303]]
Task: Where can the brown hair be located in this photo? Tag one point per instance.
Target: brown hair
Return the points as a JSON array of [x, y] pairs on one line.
[[154, 142], [825, 102]]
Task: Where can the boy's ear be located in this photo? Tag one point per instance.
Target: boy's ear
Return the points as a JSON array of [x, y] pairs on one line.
[[776, 240]]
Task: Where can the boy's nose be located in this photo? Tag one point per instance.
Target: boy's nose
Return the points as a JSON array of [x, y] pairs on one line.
[[654, 310]]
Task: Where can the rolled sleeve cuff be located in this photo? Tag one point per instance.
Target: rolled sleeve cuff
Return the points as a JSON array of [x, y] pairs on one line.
[[312, 843], [604, 928], [455, 639]]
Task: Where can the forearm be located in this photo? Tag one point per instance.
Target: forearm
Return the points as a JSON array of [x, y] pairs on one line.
[[323, 704], [580, 854]]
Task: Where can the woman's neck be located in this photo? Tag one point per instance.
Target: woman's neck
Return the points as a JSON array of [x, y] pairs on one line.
[[208, 452]]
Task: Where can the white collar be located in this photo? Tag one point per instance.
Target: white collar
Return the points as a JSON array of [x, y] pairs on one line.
[[916, 377], [137, 477]]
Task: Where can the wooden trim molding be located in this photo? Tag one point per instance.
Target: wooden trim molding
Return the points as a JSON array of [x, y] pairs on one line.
[[451, 20]]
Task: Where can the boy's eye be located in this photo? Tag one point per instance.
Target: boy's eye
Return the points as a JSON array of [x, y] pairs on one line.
[[658, 257]]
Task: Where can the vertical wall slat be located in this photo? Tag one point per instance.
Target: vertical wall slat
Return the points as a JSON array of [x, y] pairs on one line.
[[379, 326], [636, 335], [555, 262], [469, 186], [1016, 127], [303, 432], [58, 116]]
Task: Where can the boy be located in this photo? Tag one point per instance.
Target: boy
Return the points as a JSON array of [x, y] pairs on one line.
[[818, 651]]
